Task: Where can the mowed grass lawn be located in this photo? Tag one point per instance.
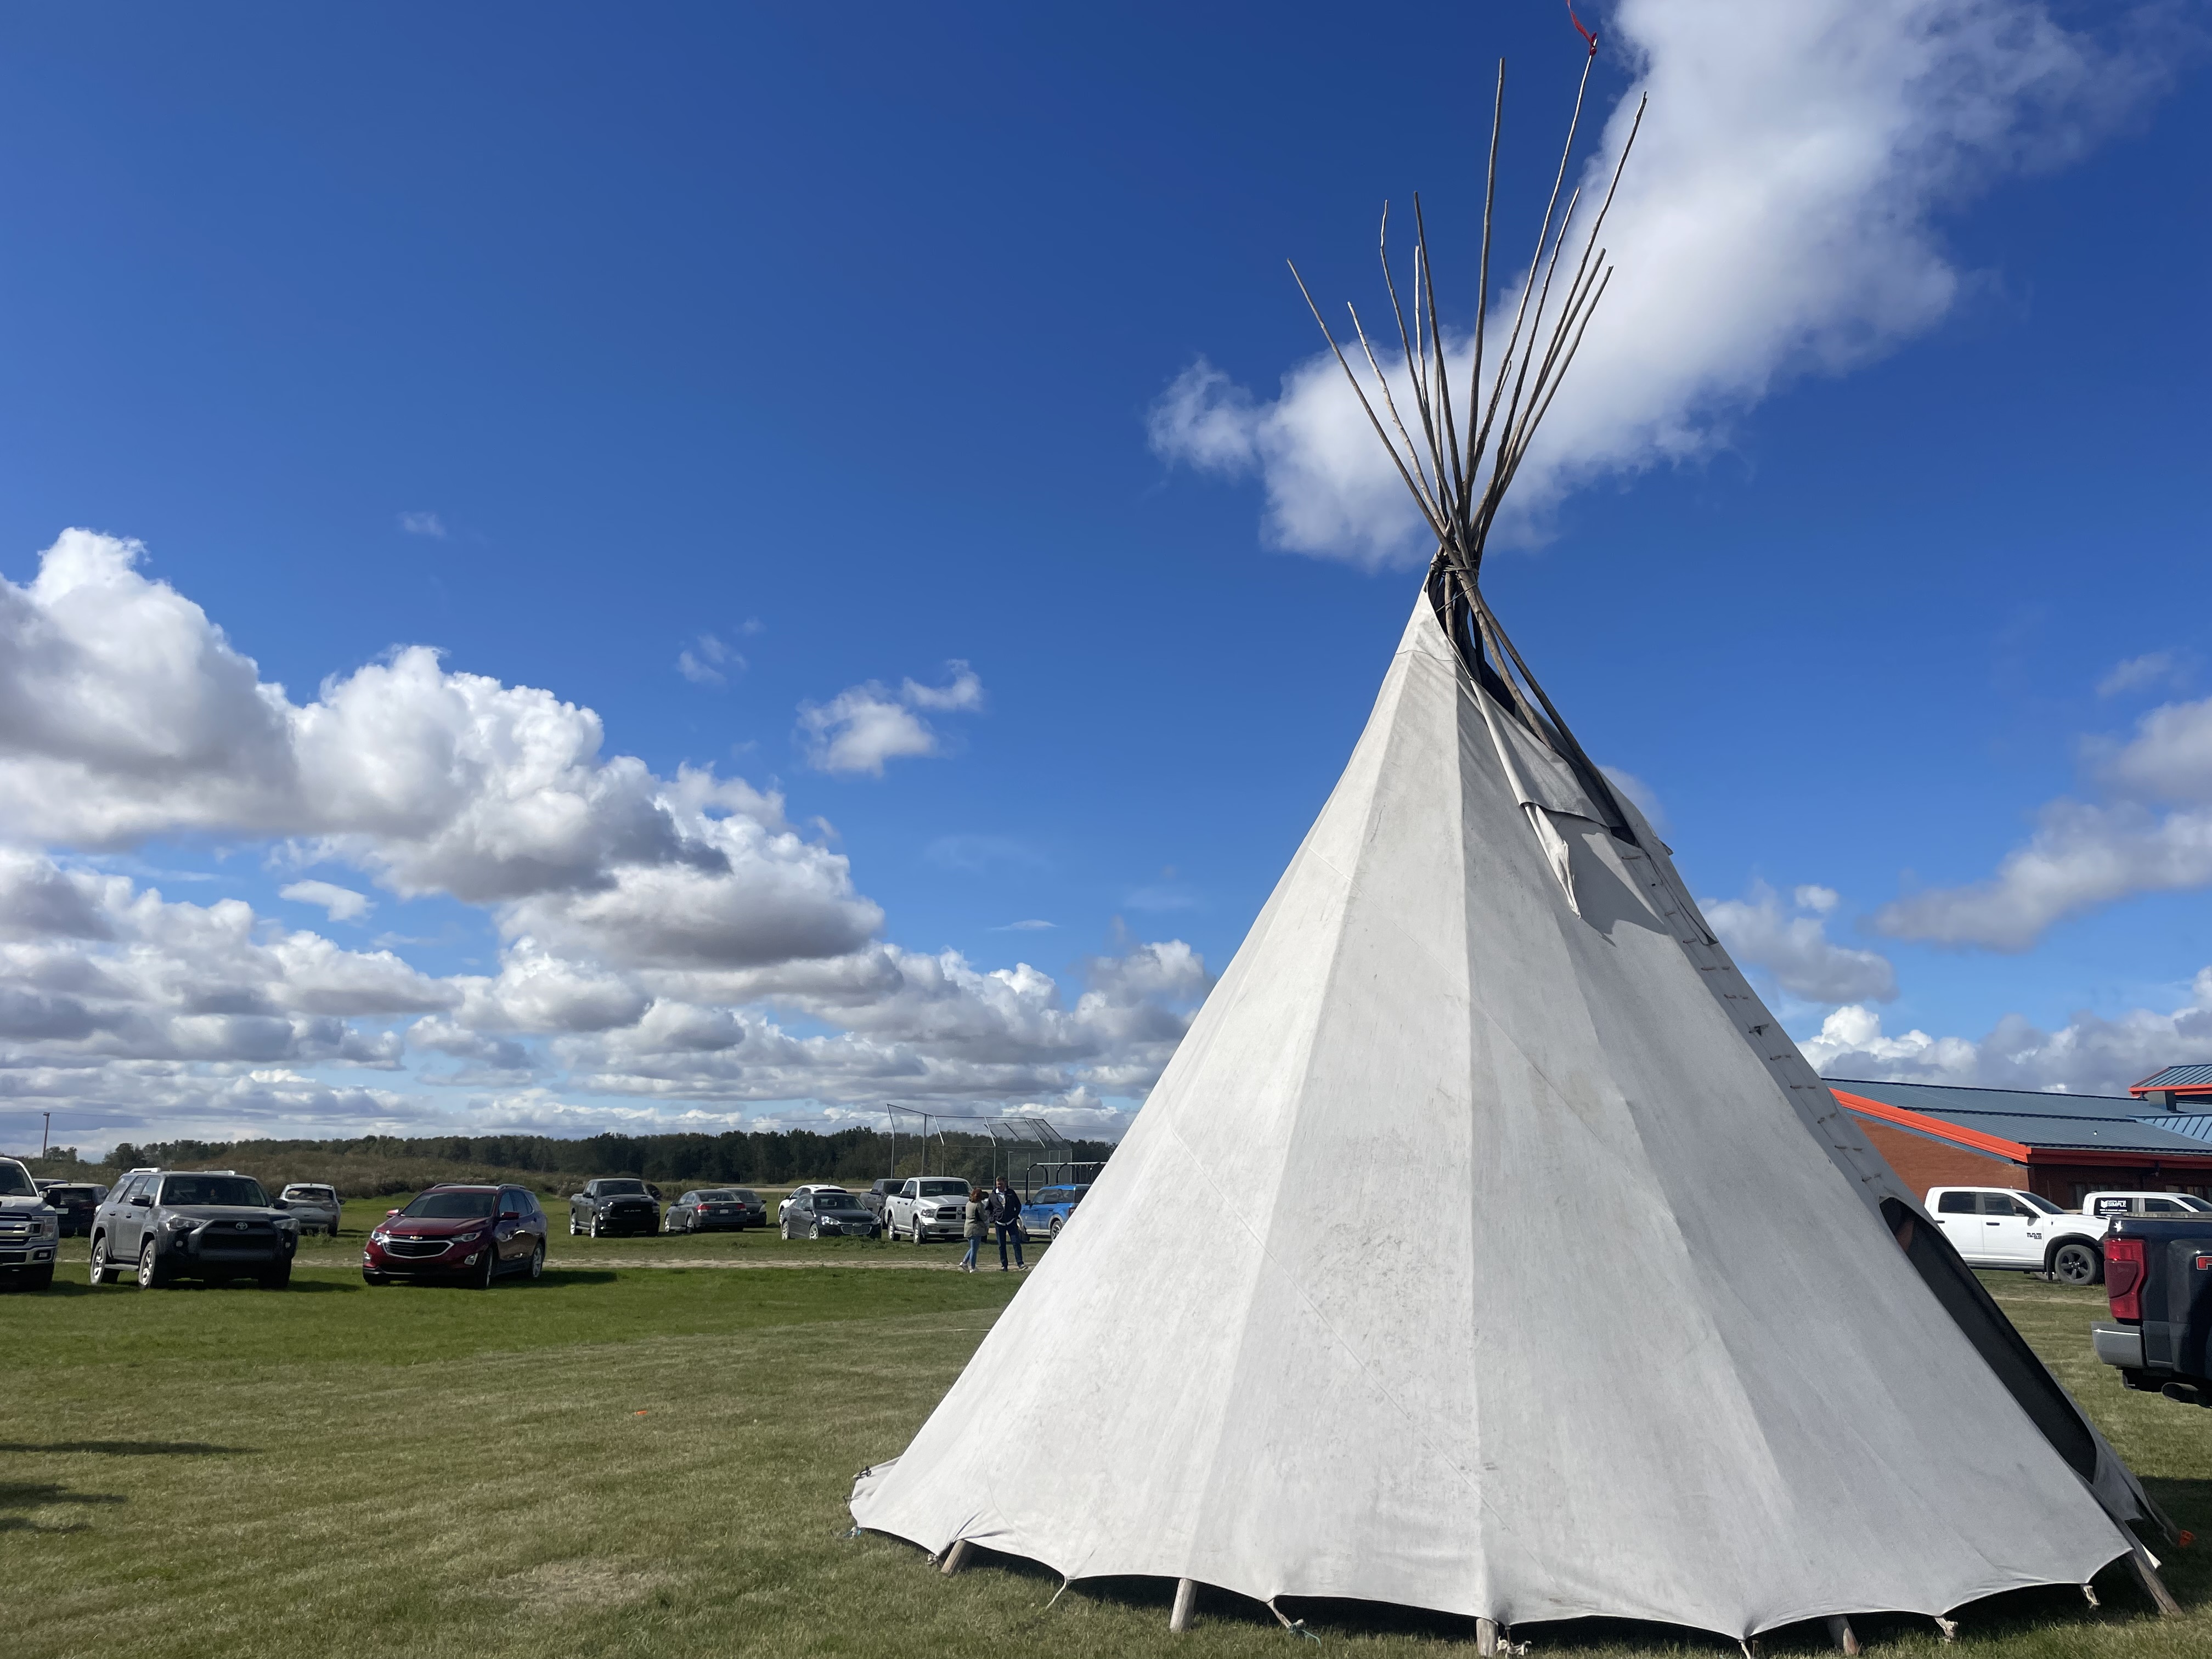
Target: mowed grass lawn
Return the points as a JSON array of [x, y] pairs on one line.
[[627, 1459]]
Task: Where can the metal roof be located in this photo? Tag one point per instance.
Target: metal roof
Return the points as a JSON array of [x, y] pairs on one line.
[[2105, 1123], [2178, 1077]]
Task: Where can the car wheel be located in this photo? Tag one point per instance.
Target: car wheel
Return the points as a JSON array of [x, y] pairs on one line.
[[486, 1268], [40, 1279], [814, 1230], [150, 1276], [2077, 1264], [573, 1228], [537, 1261], [278, 1280], [1053, 1232], [595, 1224], [103, 1272], [369, 1277], [784, 1229], [914, 1235]]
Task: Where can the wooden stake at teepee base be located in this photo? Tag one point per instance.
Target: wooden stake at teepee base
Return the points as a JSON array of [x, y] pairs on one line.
[[955, 1558], [2147, 1571], [1186, 1603], [1845, 1638], [1481, 950]]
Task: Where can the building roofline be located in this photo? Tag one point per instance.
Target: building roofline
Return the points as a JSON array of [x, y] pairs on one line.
[[2054, 1151]]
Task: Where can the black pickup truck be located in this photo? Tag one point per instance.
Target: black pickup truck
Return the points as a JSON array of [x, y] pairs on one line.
[[2158, 1275]]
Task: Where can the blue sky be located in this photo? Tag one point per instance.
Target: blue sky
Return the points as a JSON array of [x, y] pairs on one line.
[[834, 358]]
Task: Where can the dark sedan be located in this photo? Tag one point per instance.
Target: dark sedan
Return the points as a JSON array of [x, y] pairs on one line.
[[828, 1213], [469, 1235], [716, 1209], [76, 1203]]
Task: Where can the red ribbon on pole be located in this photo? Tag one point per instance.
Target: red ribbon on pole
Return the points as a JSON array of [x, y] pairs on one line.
[[1579, 29]]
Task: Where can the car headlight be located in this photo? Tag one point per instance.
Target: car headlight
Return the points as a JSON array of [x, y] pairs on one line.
[[469, 1238], [379, 1237], [48, 1229], [180, 1224]]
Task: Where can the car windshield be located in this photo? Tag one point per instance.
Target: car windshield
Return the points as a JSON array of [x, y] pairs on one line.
[[451, 1207], [838, 1201], [307, 1192], [620, 1188], [73, 1194], [2042, 1204], [717, 1198], [236, 1190], [2196, 1204], [943, 1189], [15, 1181]]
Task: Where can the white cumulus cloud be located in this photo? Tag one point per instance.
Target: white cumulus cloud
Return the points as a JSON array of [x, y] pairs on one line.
[[2151, 833], [2090, 1054], [1779, 217], [1796, 947], [865, 726], [343, 903]]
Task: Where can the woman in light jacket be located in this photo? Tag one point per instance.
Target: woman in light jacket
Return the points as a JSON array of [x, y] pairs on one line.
[[971, 1228]]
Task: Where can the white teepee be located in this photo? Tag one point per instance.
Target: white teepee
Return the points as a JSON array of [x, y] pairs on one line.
[[1488, 1248]]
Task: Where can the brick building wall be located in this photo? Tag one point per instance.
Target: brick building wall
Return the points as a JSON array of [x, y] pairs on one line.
[[1921, 1163]]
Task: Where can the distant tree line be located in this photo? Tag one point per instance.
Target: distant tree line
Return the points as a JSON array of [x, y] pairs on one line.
[[767, 1159]]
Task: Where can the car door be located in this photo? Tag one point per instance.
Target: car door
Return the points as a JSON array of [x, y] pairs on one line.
[[131, 1218], [1960, 1215], [2005, 1224]]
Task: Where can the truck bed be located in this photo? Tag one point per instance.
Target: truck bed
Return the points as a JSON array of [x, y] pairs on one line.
[[2160, 1336]]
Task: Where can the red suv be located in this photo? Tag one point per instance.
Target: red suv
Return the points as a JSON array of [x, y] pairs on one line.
[[468, 1234]]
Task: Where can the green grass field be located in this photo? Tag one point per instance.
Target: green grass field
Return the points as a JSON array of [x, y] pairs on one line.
[[653, 1459]]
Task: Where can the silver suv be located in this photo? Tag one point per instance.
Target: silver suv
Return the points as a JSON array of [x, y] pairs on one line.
[[29, 1229], [212, 1224], [315, 1207]]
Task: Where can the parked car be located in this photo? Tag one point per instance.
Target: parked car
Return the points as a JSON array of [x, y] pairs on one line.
[[716, 1209], [2158, 1276], [829, 1212], [926, 1207], [614, 1205], [2119, 1204], [74, 1202], [316, 1208], [798, 1193], [471, 1234], [30, 1230], [1048, 1212], [2004, 1227], [211, 1225], [877, 1197]]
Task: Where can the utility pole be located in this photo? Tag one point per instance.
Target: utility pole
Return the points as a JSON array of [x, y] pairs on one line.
[[45, 1134]]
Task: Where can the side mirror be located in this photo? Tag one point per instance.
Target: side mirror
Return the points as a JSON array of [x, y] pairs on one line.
[[280, 1203], [510, 1215], [388, 1214], [143, 1201]]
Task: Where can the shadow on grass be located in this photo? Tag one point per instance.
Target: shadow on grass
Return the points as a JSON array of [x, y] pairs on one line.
[[19, 1498], [132, 1448]]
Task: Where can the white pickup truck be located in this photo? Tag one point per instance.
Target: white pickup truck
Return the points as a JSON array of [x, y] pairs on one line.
[[926, 1207], [2005, 1227], [2112, 1204]]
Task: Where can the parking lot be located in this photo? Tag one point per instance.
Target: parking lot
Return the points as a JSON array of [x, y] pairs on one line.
[[624, 1458]]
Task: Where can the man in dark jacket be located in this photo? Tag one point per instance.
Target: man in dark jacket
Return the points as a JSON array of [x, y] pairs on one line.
[[1005, 1206]]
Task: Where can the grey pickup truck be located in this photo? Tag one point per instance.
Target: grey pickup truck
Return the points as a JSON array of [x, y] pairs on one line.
[[2158, 1276]]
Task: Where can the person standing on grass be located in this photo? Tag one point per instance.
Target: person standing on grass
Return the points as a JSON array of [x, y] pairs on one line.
[[1005, 1205], [971, 1228]]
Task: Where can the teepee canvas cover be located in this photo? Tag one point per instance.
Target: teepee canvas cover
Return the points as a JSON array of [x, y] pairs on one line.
[[1487, 1247]]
